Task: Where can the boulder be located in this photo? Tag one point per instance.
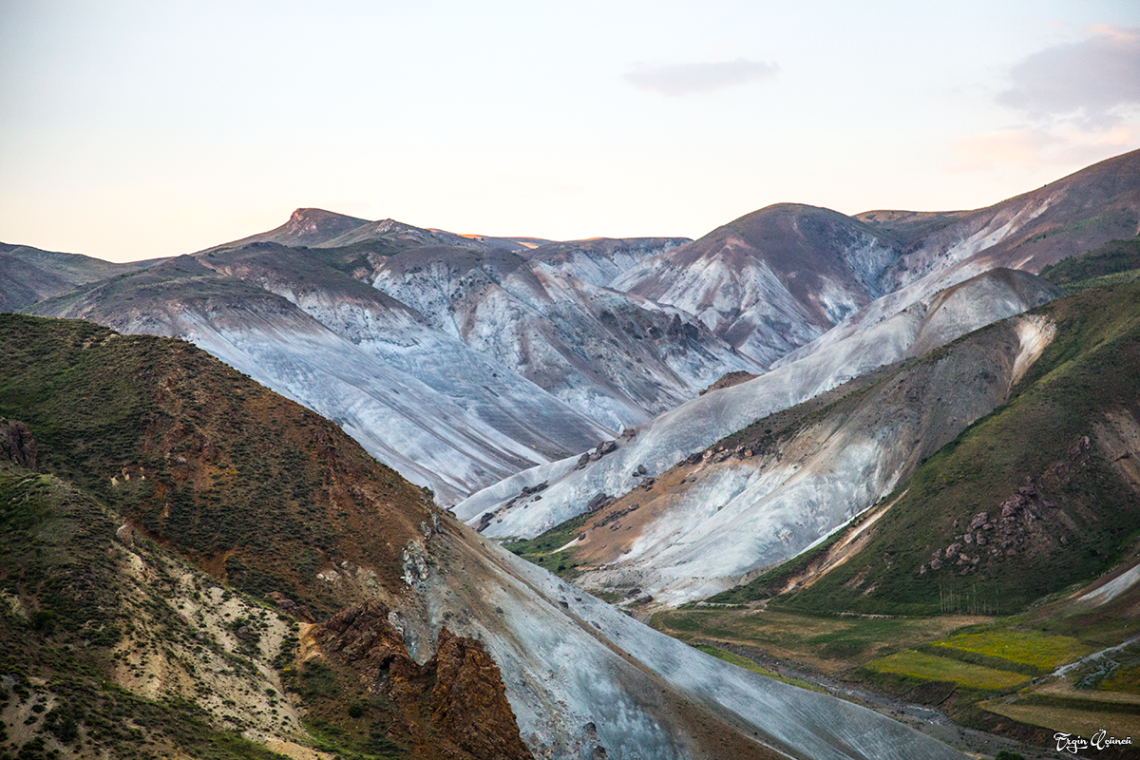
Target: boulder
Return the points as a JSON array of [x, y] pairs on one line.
[[485, 520], [1012, 507], [600, 501]]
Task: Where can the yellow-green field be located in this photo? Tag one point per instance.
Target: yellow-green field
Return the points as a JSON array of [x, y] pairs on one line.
[[931, 668], [1085, 723], [1026, 647], [1126, 679], [1064, 689], [830, 644]]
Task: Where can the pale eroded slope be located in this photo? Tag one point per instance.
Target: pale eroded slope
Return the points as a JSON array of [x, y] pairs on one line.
[[704, 420]]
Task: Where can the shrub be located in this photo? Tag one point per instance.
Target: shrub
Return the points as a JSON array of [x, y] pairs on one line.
[[43, 621]]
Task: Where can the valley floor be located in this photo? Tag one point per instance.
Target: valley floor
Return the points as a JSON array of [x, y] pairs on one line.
[[939, 675]]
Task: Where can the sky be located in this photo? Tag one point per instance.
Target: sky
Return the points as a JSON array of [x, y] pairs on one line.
[[137, 129]]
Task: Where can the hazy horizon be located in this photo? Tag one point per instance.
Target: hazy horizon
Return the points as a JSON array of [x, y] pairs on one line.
[[134, 130]]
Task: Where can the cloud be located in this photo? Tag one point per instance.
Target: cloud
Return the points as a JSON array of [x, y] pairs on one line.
[[695, 78], [1089, 80], [1079, 103]]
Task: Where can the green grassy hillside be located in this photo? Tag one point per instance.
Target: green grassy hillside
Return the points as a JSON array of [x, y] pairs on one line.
[[254, 488], [1067, 428], [69, 619], [1119, 258]]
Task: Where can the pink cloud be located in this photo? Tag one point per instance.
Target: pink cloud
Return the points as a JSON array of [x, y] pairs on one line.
[[1034, 148]]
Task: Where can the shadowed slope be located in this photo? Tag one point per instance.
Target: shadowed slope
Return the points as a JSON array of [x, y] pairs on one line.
[[28, 274], [202, 458]]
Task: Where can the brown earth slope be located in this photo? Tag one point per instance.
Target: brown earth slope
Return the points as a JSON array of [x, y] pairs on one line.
[[255, 490]]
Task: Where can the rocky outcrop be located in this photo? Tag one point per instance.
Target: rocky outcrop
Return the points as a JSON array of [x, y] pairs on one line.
[[603, 448], [17, 444], [453, 706], [1026, 523], [612, 517], [469, 701], [600, 501], [728, 380], [485, 520]]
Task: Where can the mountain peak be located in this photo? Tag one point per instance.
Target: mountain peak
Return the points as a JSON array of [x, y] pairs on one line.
[[313, 223]]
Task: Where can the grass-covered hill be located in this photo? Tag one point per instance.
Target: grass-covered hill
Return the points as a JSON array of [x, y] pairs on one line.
[[252, 487], [164, 525], [1114, 262], [1038, 495]]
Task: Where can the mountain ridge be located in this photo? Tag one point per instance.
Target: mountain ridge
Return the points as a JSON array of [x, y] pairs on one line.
[[463, 359], [570, 485], [646, 694], [817, 264]]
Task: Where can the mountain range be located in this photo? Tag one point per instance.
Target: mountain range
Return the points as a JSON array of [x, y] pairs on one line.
[[793, 410], [156, 472]]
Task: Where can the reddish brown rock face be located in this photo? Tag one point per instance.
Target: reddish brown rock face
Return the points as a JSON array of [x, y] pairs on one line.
[[17, 444], [452, 706], [469, 701]]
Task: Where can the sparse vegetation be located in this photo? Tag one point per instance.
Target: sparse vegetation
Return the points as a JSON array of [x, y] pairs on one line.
[[543, 550], [342, 716], [200, 457]]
